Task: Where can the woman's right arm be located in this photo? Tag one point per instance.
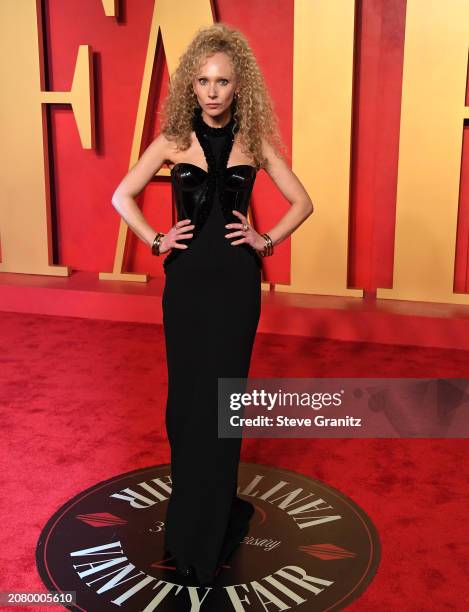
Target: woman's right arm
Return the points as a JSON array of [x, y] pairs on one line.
[[123, 198]]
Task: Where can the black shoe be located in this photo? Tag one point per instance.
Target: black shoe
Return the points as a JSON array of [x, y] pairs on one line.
[[186, 572]]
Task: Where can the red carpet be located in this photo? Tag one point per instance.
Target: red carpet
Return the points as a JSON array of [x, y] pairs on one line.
[[83, 400]]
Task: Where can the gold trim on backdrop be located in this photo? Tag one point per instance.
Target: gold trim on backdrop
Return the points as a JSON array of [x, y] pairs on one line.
[[81, 97], [430, 152], [111, 8], [322, 111]]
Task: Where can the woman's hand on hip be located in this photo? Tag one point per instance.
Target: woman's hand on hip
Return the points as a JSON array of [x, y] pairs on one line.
[[177, 232], [246, 232]]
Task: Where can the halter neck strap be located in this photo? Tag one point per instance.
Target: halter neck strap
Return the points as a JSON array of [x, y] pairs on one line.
[[207, 130]]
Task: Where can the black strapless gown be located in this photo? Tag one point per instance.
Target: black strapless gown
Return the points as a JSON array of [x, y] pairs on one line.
[[211, 307]]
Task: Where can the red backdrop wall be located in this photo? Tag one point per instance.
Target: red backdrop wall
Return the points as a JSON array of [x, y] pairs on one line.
[[84, 180]]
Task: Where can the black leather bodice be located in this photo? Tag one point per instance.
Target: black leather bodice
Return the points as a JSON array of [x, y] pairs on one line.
[[196, 191], [189, 187]]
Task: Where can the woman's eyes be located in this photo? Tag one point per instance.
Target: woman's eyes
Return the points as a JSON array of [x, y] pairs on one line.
[[224, 81]]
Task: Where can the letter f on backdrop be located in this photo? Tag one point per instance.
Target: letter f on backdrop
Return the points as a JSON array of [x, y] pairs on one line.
[[25, 210]]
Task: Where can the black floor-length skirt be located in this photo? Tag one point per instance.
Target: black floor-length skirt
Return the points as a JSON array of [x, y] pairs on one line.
[[211, 307]]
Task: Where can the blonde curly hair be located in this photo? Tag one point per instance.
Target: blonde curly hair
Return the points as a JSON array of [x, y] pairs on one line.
[[253, 111]]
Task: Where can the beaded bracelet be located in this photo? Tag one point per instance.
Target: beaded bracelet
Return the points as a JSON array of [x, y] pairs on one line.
[[155, 247]]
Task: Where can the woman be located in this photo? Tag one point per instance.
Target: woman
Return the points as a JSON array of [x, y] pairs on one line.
[[219, 129]]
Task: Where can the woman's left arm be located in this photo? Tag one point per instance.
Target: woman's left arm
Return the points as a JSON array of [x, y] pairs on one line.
[[301, 206]]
